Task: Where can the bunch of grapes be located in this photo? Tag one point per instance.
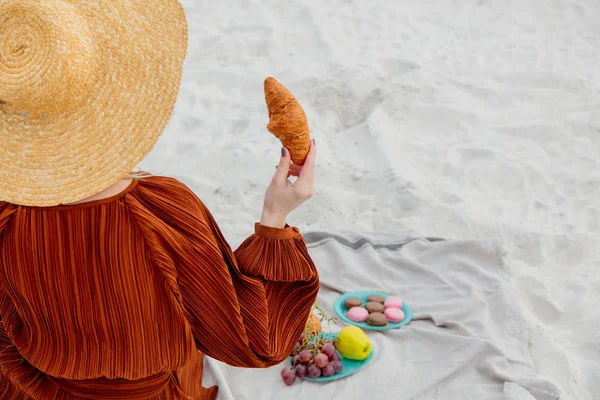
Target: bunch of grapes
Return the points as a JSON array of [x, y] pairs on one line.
[[313, 355], [314, 361]]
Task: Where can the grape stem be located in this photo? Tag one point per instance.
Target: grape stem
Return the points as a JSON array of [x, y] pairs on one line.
[[312, 340]]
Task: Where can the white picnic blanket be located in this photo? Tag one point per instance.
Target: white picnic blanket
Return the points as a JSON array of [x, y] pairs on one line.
[[467, 340]]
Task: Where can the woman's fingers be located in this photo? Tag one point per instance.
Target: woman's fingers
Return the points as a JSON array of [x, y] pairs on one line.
[[283, 168], [305, 183], [294, 169], [307, 173]]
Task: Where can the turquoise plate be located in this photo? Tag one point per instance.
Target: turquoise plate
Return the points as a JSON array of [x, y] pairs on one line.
[[340, 310], [349, 366]]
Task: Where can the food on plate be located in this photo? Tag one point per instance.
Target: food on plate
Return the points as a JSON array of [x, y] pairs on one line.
[[374, 306], [377, 319], [358, 314], [314, 325], [315, 354], [301, 370], [376, 298], [328, 370], [314, 371], [353, 343], [352, 302], [375, 303], [329, 350], [337, 366], [393, 302], [394, 314], [305, 357], [321, 360]]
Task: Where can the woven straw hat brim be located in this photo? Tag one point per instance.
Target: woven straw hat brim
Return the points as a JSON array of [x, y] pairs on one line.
[[72, 126]]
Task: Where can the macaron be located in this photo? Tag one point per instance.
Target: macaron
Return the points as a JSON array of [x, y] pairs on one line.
[[377, 319], [375, 298], [373, 306], [358, 314], [352, 302], [393, 302], [394, 314]]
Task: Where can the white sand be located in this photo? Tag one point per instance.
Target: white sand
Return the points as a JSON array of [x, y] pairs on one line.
[[456, 119]]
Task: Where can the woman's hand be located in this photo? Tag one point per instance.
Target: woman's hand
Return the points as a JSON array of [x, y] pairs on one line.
[[283, 196]]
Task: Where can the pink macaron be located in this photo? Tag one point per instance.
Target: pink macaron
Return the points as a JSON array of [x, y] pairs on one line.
[[394, 314], [393, 302], [358, 314]]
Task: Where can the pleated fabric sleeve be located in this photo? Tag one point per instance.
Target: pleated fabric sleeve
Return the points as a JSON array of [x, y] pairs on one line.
[[246, 308], [121, 298]]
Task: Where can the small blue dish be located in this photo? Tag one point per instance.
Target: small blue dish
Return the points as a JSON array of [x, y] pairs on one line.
[[349, 366], [340, 310]]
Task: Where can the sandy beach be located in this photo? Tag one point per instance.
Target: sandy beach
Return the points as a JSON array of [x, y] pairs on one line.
[[460, 120]]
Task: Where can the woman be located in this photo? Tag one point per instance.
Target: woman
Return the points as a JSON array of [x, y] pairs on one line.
[[114, 288]]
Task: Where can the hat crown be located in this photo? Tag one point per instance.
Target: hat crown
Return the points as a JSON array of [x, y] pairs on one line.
[[46, 57], [86, 89]]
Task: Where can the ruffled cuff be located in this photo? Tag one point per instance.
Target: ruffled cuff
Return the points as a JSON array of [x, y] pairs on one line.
[[276, 254], [276, 233]]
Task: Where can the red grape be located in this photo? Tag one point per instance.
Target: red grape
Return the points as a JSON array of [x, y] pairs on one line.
[[328, 350], [336, 357], [301, 371], [329, 370], [305, 357], [337, 366], [301, 339], [321, 360], [314, 371], [289, 377]]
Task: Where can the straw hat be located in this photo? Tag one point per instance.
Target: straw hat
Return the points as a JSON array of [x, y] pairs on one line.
[[86, 89]]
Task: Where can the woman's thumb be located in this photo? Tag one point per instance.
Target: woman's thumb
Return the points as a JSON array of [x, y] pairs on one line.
[[284, 166]]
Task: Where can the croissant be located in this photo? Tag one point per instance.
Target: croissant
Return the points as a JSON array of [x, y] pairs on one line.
[[287, 120]]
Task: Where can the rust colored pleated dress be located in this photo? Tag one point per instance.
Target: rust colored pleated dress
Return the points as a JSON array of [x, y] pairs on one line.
[[121, 298]]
